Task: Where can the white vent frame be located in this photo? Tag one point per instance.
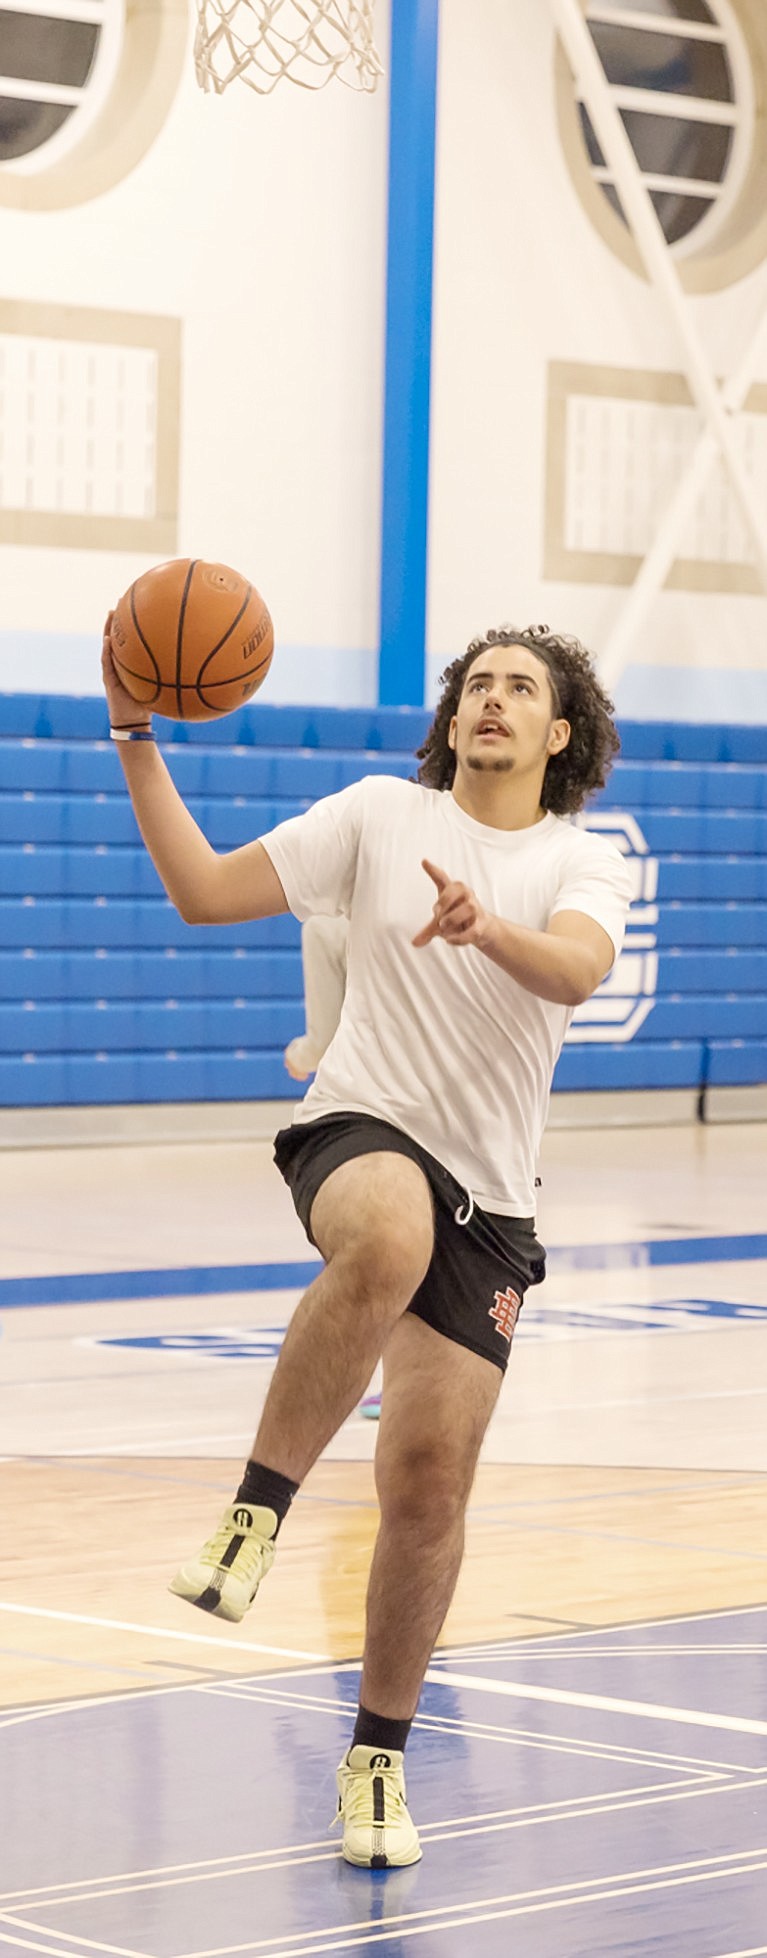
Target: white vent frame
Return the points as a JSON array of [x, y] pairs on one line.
[[86, 327], [739, 115], [87, 102]]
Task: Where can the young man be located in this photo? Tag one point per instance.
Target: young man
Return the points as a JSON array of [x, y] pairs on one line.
[[479, 919]]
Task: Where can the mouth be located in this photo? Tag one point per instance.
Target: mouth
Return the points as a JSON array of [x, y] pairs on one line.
[[491, 730]]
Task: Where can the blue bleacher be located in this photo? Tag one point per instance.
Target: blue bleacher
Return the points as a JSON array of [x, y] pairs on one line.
[[107, 996]]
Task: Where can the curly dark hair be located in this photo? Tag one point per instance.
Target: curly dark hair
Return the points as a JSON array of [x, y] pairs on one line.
[[581, 767]]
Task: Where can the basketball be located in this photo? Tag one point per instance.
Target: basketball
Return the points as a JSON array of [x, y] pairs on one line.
[[192, 640]]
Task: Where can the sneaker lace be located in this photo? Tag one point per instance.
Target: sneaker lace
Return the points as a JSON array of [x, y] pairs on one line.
[[248, 1556], [356, 1803]]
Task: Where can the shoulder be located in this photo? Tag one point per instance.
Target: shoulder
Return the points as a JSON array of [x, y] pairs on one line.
[[391, 791], [579, 845], [589, 854]]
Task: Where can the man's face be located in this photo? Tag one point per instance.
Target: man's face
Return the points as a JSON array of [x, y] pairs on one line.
[[505, 716]]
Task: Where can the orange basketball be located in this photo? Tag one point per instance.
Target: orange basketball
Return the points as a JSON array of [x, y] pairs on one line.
[[192, 640]]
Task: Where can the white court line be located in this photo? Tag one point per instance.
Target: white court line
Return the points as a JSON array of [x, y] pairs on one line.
[[50, 1950], [452, 1831], [160, 1631], [558, 1896], [598, 1631], [636, 1709], [116, 1950], [79, 1887], [217, 1865], [49, 1708], [455, 1923], [330, 1670], [618, 1652], [266, 1687], [481, 1730]]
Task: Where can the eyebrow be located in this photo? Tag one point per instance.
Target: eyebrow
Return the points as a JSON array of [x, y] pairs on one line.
[[527, 677]]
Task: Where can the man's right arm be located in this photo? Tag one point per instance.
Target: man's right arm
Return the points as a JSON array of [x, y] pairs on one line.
[[207, 889]]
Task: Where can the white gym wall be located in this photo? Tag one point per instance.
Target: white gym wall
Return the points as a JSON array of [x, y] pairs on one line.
[[236, 259], [523, 279], [259, 226]]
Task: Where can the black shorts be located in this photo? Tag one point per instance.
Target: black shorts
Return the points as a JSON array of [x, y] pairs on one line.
[[479, 1270]]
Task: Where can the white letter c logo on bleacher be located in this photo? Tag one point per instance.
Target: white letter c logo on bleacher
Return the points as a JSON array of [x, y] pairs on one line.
[[627, 995]]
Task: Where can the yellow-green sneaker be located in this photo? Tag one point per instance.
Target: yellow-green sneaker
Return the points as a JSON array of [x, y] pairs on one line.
[[378, 1831], [225, 1575]]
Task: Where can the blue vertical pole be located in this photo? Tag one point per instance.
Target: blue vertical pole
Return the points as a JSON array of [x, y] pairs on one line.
[[404, 530]]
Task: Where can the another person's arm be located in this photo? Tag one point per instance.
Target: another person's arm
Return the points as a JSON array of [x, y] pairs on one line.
[[324, 943]]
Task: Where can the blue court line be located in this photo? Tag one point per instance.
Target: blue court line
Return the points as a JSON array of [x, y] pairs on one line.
[[657, 1251], [80, 1288]]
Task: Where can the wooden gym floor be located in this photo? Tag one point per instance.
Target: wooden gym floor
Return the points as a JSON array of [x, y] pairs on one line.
[[143, 1296]]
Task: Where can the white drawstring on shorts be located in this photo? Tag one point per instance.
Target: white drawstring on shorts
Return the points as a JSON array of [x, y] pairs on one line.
[[463, 1215]]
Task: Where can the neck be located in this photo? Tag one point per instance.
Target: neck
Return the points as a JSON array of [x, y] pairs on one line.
[[497, 800]]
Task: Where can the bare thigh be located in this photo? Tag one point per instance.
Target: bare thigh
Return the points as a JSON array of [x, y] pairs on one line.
[[376, 1211]]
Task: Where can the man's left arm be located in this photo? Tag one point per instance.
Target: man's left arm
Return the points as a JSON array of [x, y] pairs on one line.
[[565, 963]]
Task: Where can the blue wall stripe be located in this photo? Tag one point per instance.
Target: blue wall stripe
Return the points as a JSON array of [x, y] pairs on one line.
[[412, 128], [82, 1288]]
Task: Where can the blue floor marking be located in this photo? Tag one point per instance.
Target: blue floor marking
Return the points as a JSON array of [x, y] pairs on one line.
[[83, 1288], [87, 1287], [255, 1343], [658, 1251]]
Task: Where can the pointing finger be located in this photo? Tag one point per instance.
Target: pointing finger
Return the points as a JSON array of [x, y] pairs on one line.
[[438, 877], [429, 932]]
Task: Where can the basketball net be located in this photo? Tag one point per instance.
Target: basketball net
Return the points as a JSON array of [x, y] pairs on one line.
[[263, 42]]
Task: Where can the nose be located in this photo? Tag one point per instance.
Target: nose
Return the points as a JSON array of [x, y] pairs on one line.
[[493, 697]]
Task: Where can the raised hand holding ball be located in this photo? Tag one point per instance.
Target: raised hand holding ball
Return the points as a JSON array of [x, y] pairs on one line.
[[191, 640]]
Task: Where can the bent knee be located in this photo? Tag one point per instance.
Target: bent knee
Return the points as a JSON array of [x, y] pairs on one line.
[[373, 1218], [384, 1268], [425, 1487]]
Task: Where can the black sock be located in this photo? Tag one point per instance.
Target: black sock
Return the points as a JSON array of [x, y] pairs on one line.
[[372, 1730], [267, 1489]]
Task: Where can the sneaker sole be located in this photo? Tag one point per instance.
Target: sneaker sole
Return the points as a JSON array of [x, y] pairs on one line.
[[382, 1862], [210, 1600]]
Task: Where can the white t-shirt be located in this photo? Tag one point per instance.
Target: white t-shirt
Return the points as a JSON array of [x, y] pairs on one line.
[[440, 1042]]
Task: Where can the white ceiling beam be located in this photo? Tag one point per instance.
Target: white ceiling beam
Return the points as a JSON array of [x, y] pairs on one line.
[[23, 91], [682, 30], [642, 218], [655, 180], [660, 102], [655, 567]]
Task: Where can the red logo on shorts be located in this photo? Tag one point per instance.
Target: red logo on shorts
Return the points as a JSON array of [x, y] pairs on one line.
[[505, 1312]]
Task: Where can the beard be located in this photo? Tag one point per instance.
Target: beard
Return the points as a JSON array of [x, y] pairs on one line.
[[489, 765]]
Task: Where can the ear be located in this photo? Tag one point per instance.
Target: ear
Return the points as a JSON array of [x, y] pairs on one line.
[[559, 737], [451, 733]]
